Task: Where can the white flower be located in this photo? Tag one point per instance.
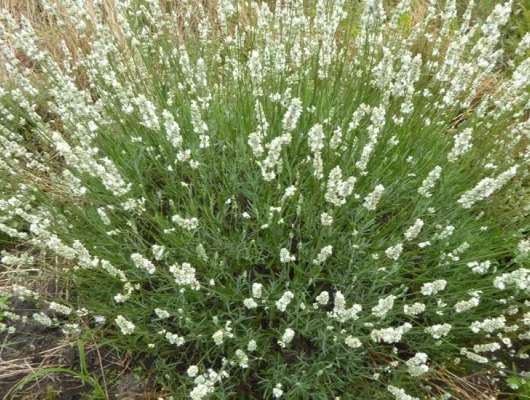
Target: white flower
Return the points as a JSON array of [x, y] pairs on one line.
[[371, 201], [352, 342], [290, 118], [289, 192], [184, 275], [218, 337], [383, 306], [277, 392], [341, 313], [257, 290], [326, 219], [201, 252], [160, 313], [252, 345], [448, 231], [192, 371], [390, 335], [285, 256], [487, 347], [125, 326], [43, 319], [158, 252], [103, 215], [489, 324], [430, 182], [199, 126], [286, 338], [273, 160], [485, 188], [462, 145], [414, 230], [473, 356], [429, 289], [416, 365], [414, 309], [322, 299], [68, 329], [250, 303], [242, 358], [316, 144], [400, 394], [186, 223], [338, 190], [316, 138], [480, 268], [175, 339], [172, 129], [519, 278], [143, 263], [394, 252], [284, 300], [205, 384], [59, 308], [438, 331], [524, 245], [324, 254], [465, 305]]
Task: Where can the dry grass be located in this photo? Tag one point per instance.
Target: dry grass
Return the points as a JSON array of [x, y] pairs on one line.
[[31, 9], [15, 369], [58, 32], [53, 34], [472, 387]]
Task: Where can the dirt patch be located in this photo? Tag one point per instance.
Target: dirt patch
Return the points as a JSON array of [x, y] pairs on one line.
[[34, 346]]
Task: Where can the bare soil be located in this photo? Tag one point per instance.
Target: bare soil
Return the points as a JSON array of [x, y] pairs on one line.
[[34, 346]]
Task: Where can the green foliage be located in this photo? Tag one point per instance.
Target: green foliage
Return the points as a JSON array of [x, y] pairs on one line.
[[516, 29], [304, 204], [4, 306]]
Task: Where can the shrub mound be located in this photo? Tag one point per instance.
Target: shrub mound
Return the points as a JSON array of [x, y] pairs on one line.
[[308, 199]]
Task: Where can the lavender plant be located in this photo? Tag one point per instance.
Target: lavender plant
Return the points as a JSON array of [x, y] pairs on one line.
[[304, 199]]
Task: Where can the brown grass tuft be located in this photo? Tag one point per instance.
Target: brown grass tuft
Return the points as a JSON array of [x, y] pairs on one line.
[[471, 387]]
